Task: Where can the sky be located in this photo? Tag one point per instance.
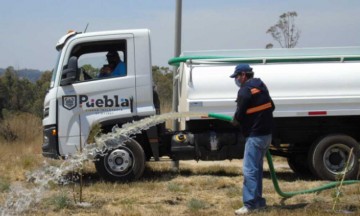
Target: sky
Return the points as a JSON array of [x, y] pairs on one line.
[[29, 29]]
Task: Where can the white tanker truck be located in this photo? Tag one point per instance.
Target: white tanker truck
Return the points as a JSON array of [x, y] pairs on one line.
[[316, 93]]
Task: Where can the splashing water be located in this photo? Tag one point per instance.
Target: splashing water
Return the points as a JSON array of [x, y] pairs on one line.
[[120, 135], [20, 198]]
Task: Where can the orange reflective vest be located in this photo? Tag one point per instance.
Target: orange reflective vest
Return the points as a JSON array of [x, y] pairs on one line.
[[260, 107]]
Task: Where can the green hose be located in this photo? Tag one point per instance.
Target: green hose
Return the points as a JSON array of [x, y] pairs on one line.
[[273, 174]]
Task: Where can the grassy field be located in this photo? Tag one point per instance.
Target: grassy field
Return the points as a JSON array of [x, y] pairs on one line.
[[203, 188]]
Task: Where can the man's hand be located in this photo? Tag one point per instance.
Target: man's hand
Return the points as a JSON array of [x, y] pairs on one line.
[[105, 70]]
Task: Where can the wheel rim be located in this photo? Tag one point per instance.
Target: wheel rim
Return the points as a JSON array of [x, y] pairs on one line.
[[119, 162], [335, 158]]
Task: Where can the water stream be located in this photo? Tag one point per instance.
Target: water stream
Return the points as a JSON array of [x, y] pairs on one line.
[[21, 196]]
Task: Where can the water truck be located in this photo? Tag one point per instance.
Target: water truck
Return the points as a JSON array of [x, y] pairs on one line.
[[315, 91]]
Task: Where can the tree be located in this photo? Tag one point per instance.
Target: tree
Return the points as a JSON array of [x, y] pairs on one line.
[[285, 31], [8, 82], [42, 85], [20, 95], [16, 93]]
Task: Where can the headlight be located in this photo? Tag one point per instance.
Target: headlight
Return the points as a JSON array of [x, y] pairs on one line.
[[46, 140]]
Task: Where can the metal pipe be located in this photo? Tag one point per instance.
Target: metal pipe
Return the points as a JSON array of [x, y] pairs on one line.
[[176, 54]]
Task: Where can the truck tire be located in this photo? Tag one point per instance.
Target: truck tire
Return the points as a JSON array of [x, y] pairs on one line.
[[298, 164], [329, 155], [125, 163]]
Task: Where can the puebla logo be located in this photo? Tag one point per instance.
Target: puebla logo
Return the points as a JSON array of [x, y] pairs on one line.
[[70, 102]]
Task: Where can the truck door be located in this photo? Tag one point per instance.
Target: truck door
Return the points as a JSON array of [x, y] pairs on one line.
[[94, 98]]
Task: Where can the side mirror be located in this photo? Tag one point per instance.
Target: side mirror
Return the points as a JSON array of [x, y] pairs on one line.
[[69, 75]]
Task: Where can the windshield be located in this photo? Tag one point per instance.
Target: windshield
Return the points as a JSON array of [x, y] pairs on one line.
[[52, 83]]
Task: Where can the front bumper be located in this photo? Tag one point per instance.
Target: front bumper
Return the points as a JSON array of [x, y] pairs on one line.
[[50, 147]]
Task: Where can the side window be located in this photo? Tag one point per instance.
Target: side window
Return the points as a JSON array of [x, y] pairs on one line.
[[101, 60], [91, 63]]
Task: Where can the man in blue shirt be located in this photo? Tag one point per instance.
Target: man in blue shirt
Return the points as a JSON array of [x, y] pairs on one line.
[[254, 115], [115, 67]]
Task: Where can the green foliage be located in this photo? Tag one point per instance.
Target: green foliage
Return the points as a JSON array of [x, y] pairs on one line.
[[196, 204], [21, 95], [60, 201], [4, 185], [17, 94], [174, 187], [163, 81], [41, 87]]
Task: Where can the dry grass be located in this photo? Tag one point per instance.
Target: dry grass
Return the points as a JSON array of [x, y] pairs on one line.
[[203, 188], [23, 154]]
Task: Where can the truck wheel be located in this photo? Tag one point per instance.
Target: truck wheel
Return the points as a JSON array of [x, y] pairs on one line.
[[328, 157], [125, 163], [298, 164]]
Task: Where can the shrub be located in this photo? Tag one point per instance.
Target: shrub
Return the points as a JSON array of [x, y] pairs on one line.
[[195, 204], [20, 127], [60, 201], [174, 187], [4, 185]]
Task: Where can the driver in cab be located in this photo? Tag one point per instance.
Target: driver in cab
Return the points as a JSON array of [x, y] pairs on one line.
[[115, 67]]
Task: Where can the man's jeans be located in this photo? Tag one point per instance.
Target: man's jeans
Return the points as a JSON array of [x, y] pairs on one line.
[[255, 149]]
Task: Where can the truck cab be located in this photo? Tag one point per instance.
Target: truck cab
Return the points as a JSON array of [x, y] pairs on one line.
[[78, 97]]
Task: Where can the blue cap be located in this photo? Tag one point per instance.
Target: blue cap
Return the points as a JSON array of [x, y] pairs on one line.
[[241, 68]]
